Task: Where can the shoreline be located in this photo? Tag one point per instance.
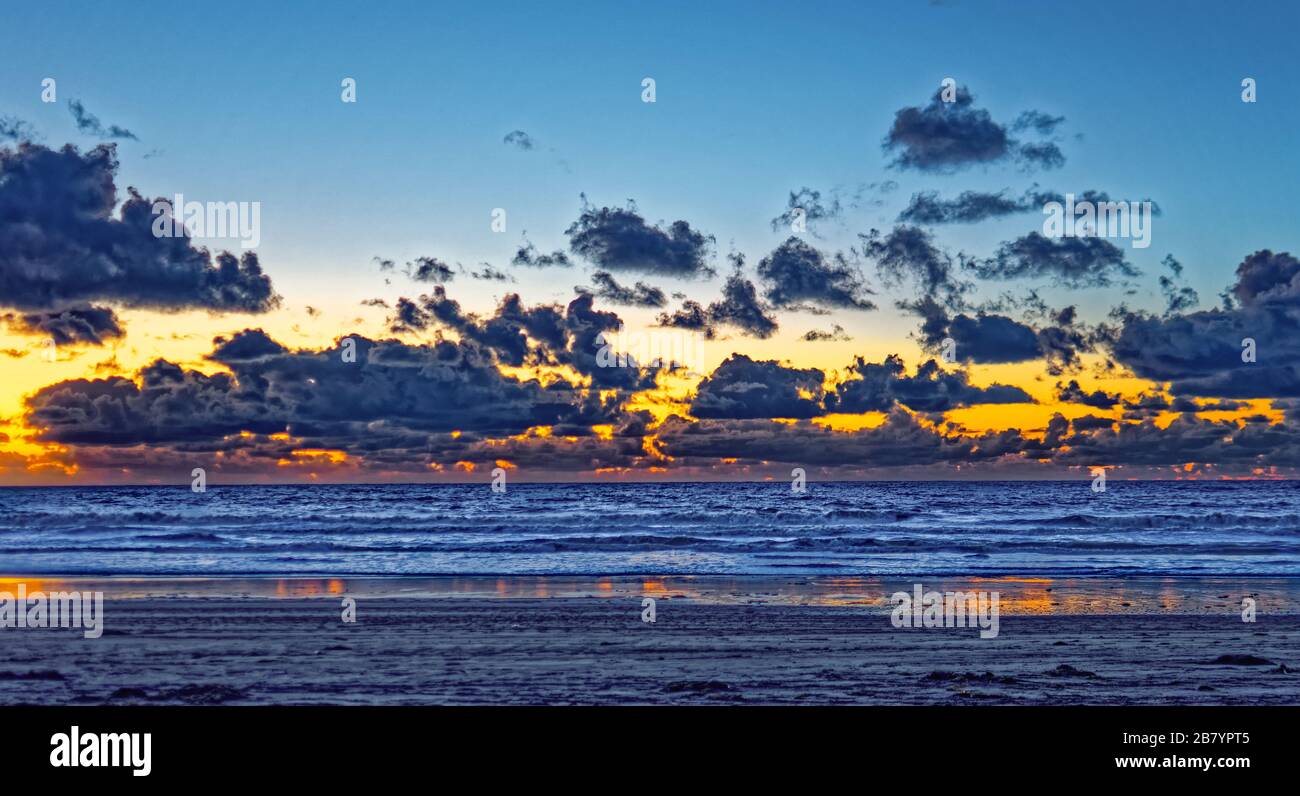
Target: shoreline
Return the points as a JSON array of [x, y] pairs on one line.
[[1093, 596]]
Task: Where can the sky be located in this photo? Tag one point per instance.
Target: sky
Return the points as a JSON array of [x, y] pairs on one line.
[[129, 358]]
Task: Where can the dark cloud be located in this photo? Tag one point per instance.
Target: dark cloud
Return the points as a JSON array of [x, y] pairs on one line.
[[692, 316], [836, 334], [1265, 279], [391, 401], [1202, 353], [249, 345], [739, 308], [1178, 298], [1073, 393], [742, 388], [970, 206], [982, 338], [519, 139], [61, 246], [810, 202], [619, 239], [926, 207], [1041, 198], [518, 335], [1041, 155], [1091, 423], [90, 124], [429, 269], [944, 137], [985, 334], [909, 256], [878, 387], [527, 255], [1038, 122], [605, 287], [797, 275], [89, 325], [1074, 262], [489, 274], [901, 441], [408, 316], [14, 129]]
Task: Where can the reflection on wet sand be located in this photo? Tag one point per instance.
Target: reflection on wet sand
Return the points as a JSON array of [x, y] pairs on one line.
[[1018, 595]]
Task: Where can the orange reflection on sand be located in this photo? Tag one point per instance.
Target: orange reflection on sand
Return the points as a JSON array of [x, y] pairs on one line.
[[309, 587], [33, 584], [1034, 596]]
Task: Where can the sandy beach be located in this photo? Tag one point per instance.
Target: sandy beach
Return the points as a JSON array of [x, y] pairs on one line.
[[766, 641]]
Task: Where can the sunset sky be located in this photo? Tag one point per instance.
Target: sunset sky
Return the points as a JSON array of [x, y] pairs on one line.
[[477, 347]]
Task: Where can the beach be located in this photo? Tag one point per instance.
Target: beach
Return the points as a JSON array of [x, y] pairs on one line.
[[468, 641]]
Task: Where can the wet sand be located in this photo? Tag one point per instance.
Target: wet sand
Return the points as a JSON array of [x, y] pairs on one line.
[[726, 642]]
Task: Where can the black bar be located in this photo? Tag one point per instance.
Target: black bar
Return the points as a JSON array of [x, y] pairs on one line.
[[329, 745]]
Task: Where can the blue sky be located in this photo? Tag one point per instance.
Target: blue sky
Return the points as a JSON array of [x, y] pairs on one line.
[[754, 100]]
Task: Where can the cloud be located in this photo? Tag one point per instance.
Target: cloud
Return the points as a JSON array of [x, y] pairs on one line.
[[249, 345], [489, 274], [89, 123], [901, 441], [796, 275], [988, 338], [1074, 262], [1038, 122], [394, 401], [639, 295], [836, 334], [1178, 298], [88, 325], [878, 387], [742, 388], [809, 202], [15, 129], [944, 137], [518, 335], [739, 308], [1088, 423], [61, 246], [1202, 353], [1040, 154], [619, 239], [519, 139], [971, 206], [429, 269], [693, 316], [908, 255], [528, 256], [1073, 393]]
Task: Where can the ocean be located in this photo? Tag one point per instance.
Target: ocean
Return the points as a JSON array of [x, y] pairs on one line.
[[1057, 528]]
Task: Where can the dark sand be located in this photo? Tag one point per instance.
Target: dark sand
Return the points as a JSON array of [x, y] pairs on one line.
[[756, 646]]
